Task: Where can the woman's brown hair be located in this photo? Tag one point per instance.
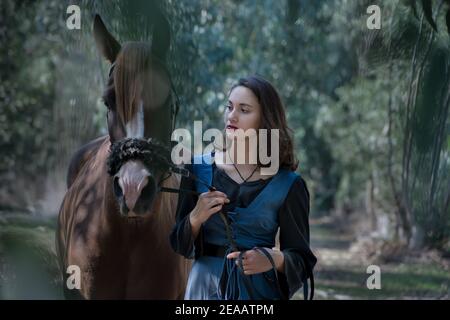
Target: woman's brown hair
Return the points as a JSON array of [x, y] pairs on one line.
[[272, 117]]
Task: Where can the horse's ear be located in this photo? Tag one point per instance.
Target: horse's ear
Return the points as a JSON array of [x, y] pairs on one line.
[[161, 36], [108, 46]]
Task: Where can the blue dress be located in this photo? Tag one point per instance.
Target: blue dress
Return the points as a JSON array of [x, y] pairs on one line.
[[210, 266], [255, 225]]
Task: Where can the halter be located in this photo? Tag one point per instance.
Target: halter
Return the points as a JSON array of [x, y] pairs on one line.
[[154, 155]]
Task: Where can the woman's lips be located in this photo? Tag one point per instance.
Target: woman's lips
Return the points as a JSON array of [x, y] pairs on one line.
[[231, 127]]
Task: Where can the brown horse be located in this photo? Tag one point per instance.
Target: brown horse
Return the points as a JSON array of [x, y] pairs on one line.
[[116, 228]]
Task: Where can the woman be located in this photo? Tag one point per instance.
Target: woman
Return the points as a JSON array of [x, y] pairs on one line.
[[231, 231]]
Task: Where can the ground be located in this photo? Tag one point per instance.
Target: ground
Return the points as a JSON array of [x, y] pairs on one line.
[[28, 266], [342, 264]]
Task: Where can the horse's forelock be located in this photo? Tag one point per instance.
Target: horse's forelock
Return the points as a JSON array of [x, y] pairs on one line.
[[131, 66]]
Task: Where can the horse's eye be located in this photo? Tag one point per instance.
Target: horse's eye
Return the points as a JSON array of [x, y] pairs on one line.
[[107, 103]]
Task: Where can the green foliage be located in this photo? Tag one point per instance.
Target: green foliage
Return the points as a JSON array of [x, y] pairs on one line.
[[28, 263], [367, 107], [28, 60]]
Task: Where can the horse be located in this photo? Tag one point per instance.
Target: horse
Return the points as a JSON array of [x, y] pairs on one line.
[[115, 228]]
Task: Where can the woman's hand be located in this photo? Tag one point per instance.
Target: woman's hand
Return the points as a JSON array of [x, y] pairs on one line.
[[208, 203], [255, 262]]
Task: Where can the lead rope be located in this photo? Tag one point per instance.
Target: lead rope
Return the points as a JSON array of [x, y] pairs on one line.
[[272, 262]]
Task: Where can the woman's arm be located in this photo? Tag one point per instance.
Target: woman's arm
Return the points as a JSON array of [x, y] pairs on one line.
[[192, 212], [298, 259]]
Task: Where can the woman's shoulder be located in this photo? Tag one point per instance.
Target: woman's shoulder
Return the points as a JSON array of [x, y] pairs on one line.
[[296, 205], [298, 190]]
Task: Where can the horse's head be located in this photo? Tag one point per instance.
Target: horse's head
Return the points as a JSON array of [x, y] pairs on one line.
[[137, 97]]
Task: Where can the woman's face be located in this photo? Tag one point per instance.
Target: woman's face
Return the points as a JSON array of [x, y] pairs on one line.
[[242, 111]]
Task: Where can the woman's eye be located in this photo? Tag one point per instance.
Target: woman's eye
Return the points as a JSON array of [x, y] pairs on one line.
[[228, 107], [244, 111]]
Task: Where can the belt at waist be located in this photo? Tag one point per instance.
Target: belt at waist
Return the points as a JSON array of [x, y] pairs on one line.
[[214, 250]]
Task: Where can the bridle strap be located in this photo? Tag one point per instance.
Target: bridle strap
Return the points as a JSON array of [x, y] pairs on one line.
[[231, 241], [181, 190]]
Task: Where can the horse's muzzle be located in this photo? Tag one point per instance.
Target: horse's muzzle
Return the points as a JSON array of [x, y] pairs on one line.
[[134, 188]]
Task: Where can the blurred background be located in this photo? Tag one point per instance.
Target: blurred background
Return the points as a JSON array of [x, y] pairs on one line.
[[369, 109]]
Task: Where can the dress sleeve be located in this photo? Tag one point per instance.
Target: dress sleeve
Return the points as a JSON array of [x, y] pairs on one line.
[[181, 237], [299, 260]]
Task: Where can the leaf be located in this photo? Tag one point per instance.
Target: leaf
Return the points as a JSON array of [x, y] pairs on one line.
[[428, 11]]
